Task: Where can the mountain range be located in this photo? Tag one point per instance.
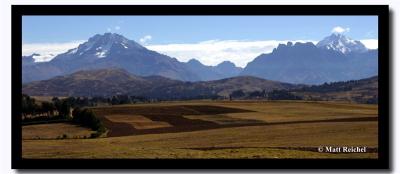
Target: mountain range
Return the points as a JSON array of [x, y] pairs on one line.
[[28, 60], [115, 51], [223, 70], [335, 58]]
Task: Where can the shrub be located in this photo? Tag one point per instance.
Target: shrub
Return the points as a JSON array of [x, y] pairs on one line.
[[87, 118]]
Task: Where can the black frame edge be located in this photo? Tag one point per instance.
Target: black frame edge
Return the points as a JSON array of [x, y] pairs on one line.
[[381, 10]]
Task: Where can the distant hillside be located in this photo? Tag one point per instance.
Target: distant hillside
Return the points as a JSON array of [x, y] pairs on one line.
[[359, 91], [355, 91], [109, 82], [245, 83]]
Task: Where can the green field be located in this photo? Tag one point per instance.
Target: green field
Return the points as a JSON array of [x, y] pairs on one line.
[[217, 129]]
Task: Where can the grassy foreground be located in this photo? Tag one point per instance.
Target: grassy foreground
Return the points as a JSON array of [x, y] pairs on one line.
[[284, 129]]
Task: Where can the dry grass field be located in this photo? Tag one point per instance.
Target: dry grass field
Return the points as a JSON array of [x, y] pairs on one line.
[[221, 129], [54, 131]]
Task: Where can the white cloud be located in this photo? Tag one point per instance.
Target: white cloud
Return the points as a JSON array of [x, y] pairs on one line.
[[340, 29], [213, 52], [109, 29], [370, 43], [48, 50], [145, 39], [117, 27]]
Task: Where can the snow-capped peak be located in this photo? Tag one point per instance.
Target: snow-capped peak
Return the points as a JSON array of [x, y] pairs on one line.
[[341, 43], [101, 46]]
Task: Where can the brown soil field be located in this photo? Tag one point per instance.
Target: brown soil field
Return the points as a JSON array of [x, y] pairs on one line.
[[222, 129], [170, 115], [137, 121]]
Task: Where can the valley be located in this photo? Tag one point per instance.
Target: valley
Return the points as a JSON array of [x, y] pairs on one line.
[[111, 97]]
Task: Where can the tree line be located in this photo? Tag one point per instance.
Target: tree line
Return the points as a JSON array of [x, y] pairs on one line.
[[331, 87], [113, 100], [65, 110], [271, 95], [61, 108], [33, 110]]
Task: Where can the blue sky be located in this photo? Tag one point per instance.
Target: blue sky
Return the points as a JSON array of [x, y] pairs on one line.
[[189, 29], [174, 35]]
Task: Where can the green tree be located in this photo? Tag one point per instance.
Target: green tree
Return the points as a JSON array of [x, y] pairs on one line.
[[48, 108], [28, 106], [65, 109]]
